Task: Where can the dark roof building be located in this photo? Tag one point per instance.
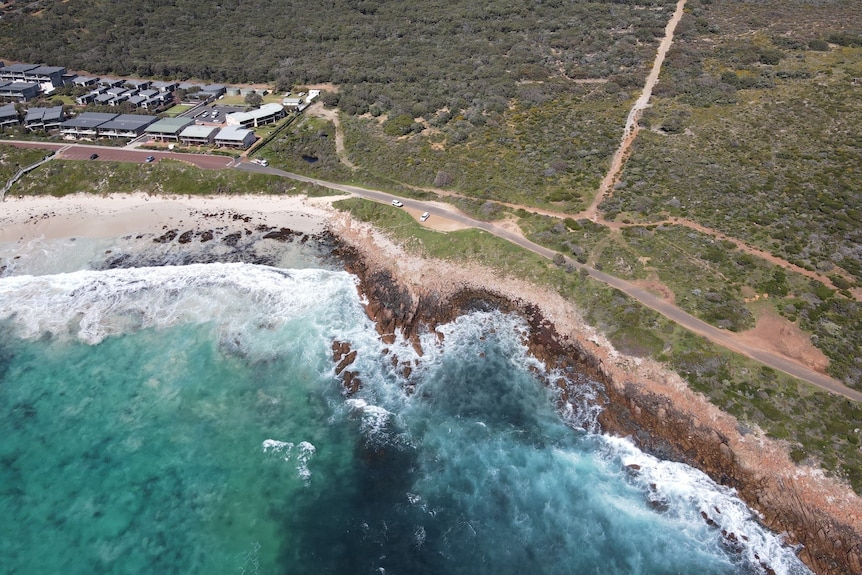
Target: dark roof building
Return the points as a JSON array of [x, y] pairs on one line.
[[44, 118], [85, 124], [16, 72], [21, 91], [125, 126], [9, 116]]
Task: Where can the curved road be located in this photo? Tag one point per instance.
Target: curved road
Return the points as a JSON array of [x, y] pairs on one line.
[[719, 336], [722, 337]]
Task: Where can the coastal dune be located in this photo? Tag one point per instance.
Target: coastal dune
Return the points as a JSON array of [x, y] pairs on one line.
[[643, 400]]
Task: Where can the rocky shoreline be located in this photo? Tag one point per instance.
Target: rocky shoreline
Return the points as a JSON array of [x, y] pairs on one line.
[[818, 516]]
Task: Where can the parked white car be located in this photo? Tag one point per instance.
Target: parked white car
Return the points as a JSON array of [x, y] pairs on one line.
[[424, 217]]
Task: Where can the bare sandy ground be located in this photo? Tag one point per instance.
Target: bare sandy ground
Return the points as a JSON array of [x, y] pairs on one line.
[[114, 215]]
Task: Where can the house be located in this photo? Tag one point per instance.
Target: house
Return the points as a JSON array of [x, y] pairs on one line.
[[137, 101], [235, 137], [103, 99], [87, 98], [213, 91], [85, 124], [118, 99], [266, 114], [111, 82], [168, 129], [16, 72], [48, 77], [139, 84], [198, 135], [21, 91], [164, 86], [85, 81], [292, 102], [158, 101], [126, 126], [44, 118], [9, 116]]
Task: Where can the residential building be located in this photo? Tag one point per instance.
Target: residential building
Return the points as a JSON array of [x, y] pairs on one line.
[[9, 116], [198, 135], [44, 118], [235, 137], [168, 129], [21, 91], [85, 125], [266, 114], [126, 126]]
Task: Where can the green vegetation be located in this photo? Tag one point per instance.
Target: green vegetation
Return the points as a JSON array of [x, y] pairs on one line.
[[176, 110], [12, 159], [59, 178], [456, 55], [752, 133], [549, 148]]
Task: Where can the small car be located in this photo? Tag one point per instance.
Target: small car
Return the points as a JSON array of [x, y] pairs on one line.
[[94, 156], [397, 204], [151, 159], [260, 162], [424, 217]]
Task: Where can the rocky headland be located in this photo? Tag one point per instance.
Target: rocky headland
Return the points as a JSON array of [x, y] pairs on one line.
[[819, 516]]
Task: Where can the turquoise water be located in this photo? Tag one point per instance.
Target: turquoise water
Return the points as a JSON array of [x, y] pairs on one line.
[[188, 419]]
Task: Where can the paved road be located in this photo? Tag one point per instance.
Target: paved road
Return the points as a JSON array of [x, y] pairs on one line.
[[107, 153], [721, 337]]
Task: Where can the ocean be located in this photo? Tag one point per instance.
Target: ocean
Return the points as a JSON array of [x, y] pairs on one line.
[[170, 408]]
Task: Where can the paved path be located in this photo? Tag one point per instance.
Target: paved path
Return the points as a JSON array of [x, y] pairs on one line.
[[721, 337]]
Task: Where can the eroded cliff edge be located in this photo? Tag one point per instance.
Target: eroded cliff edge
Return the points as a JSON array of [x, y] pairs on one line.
[[641, 400]]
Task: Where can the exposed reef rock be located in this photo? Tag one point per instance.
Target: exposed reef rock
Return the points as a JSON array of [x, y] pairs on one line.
[[827, 543]]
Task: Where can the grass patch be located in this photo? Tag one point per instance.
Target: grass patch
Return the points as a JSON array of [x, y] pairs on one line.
[[62, 177], [177, 110]]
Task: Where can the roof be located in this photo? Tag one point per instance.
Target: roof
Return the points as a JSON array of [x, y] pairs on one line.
[[169, 125], [47, 70], [233, 134], [88, 120], [44, 114], [8, 111], [20, 68], [20, 86], [128, 122], [198, 132], [262, 112], [213, 88]]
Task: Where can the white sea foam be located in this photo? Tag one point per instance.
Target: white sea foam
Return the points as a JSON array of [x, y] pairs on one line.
[[93, 305], [689, 495], [375, 419], [290, 452]]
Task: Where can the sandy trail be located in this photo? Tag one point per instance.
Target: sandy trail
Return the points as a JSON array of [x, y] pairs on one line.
[[631, 128]]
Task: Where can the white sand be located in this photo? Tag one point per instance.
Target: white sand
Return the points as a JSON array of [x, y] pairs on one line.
[[114, 215]]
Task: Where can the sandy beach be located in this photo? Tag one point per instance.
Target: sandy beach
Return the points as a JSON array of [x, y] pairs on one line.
[[780, 484]]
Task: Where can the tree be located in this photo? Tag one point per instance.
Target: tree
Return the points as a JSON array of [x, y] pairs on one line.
[[253, 99]]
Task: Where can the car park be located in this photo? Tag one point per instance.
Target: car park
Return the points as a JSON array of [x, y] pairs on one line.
[[424, 217], [397, 204]]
